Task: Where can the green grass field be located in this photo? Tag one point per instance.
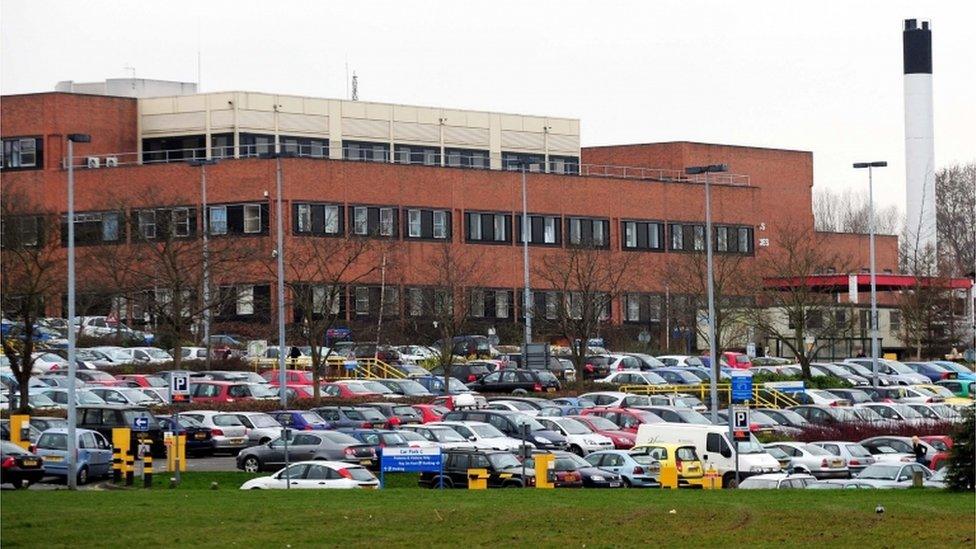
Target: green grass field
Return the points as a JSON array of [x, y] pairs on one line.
[[406, 516]]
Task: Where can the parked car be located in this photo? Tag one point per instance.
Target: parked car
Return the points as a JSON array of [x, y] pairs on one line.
[[737, 360], [292, 377], [405, 387], [678, 376], [858, 457], [143, 380], [229, 391], [813, 460], [895, 412], [784, 417], [43, 423], [316, 475], [511, 424], [396, 414], [777, 481], [959, 387], [229, 434], [933, 371], [622, 440], [936, 412], [819, 397], [199, 438], [517, 382], [636, 470], [894, 369], [616, 399], [681, 360], [93, 454], [261, 428], [444, 436], [141, 355], [633, 377], [626, 419], [840, 372], [123, 395], [503, 468], [570, 471], [597, 367], [352, 416], [467, 372], [936, 450], [962, 372], [430, 412], [483, 435], [829, 415], [683, 458], [306, 445], [301, 420], [893, 475], [854, 396], [435, 385], [347, 390], [18, 467], [582, 440], [105, 417], [676, 414], [92, 378]]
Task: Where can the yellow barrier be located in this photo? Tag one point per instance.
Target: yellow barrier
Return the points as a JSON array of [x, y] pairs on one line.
[[712, 480], [477, 479], [368, 368], [20, 426], [762, 397], [544, 465], [669, 477]]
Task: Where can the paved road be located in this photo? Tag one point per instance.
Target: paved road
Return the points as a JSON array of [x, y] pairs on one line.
[[216, 463]]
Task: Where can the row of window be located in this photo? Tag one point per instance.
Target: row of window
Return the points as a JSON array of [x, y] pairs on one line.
[[23, 153]]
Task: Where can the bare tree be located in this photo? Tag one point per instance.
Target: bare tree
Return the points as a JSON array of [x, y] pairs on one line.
[[584, 282], [454, 271], [317, 269], [789, 309], [955, 189], [850, 212], [33, 270]]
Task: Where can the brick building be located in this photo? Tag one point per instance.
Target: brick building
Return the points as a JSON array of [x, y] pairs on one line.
[[416, 177]]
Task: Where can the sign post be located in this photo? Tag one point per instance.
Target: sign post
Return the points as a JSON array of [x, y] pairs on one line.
[[179, 391], [739, 429], [411, 460]]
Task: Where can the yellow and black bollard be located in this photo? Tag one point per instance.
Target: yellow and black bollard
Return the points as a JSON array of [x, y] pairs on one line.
[[130, 467], [147, 470], [120, 445]]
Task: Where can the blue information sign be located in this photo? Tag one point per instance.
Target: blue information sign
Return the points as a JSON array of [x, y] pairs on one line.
[[140, 423], [741, 386], [411, 460]]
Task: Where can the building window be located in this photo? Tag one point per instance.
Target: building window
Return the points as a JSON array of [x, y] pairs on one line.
[[514, 161], [549, 230], [415, 154], [501, 228], [23, 153], [415, 301], [20, 231], [222, 145], [474, 227], [745, 240], [699, 238], [443, 302], [245, 300], [440, 224], [466, 158], [386, 222], [362, 300], [633, 307], [110, 227], [575, 231], [502, 304], [331, 221], [630, 234], [413, 223], [552, 305], [575, 305], [894, 321], [722, 239], [92, 228], [181, 222], [391, 301], [488, 227], [252, 218], [253, 144], [147, 223], [642, 235], [543, 229], [218, 220], [174, 149], [304, 146], [360, 220], [365, 151], [304, 218], [478, 303], [566, 165], [325, 299]]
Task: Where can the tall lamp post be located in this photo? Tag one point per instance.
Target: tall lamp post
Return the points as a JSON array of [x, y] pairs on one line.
[[712, 351], [72, 367], [527, 295], [203, 163], [874, 291]]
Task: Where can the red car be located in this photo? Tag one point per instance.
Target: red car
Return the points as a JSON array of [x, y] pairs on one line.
[[738, 361], [467, 399], [292, 377], [96, 377], [941, 443], [143, 380], [229, 391], [626, 419], [622, 440], [299, 392], [430, 412], [346, 390]]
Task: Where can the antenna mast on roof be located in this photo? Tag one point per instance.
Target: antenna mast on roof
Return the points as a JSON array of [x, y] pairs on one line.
[[355, 86]]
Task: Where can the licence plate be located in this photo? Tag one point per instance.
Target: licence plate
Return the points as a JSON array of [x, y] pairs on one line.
[[200, 436], [237, 441], [30, 463], [54, 459], [551, 390], [365, 462], [836, 463], [615, 485]]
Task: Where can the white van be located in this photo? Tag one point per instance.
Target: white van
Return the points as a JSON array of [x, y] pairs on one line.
[[712, 443]]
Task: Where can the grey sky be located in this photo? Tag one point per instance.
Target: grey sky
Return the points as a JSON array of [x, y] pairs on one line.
[[820, 76]]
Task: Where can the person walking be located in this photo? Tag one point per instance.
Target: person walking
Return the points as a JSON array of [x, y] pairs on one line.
[[295, 353], [919, 450]]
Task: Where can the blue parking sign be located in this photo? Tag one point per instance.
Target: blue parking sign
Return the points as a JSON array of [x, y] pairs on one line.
[[741, 386], [140, 424]]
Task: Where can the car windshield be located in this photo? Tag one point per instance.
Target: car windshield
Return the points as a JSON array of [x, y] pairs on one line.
[[404, 411], [455, 385], [227, 420], [791, 417], [938, 444], [392, 439], [260, 390], [906, 411], [411, 387], [136, 396], [504, 461], [816, 450], [187, 421], [938, 390], [520, 406], [570, 462], [88, 397], [858, 369], [356, 388], [360, 474], [261, 421], [53, 441], [898, 367], [880, 472], [945, 411], [857, 450], [691, 416], [777, 453], [522, 419], [602, 423], [750, 446], [410, 435], [157, 354], [484, 430], [688, 401], [377, 387], [156, 381], [312, 417], [760, 483], [446, 435], [338, 438], [572, 427], [129, 417], [958, 368]]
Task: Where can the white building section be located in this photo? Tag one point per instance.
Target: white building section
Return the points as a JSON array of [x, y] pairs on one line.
[[919, 136]]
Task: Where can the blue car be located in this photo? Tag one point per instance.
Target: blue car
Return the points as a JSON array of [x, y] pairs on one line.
[[705, 373], [573, 403], [435, 384], [302, 420], [930, 370], [638, 471], [93, 450], [678, 376], [961, 371]]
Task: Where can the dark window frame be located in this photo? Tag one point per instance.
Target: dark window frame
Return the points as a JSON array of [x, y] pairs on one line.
[[10, 143]]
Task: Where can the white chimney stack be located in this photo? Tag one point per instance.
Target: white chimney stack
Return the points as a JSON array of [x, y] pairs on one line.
[[919, 138]]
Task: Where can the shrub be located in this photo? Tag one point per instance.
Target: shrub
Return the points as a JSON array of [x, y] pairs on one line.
[[859, 431], [962, 458], [821, 382]]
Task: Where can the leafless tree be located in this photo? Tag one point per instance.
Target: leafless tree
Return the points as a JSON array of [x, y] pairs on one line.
[[585, 281], [316, 271], [32, 271], [789, 309], [955, 189], [849, 212]]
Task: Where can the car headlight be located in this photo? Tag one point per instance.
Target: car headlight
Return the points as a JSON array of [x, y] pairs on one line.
[[541, 440], [598, 478], [756, 469]]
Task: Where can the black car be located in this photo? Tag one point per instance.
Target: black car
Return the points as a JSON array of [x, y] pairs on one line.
[[199, 438], [854, 396], [504, 469], [105, 417], [397, 414], [466, 372], [554, 366], [20, 467], [517, 381], [511, 423], [596, 366], [304, 446], [571, 471]]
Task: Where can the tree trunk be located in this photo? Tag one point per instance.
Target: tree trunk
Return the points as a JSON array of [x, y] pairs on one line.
[[24, 381]]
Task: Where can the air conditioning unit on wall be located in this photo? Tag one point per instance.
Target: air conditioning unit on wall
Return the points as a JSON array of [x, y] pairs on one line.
[[111, 162], [94, 162]]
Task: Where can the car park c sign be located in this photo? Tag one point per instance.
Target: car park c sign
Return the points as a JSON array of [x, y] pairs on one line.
[[411, 460]]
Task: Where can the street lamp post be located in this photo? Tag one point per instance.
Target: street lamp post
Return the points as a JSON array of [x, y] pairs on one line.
[[203, 163], [712, 351], [280, 255], [72, 367], [527, 295], [874, 290]]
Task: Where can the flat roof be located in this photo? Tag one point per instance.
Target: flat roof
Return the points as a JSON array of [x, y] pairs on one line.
[[686, 142]]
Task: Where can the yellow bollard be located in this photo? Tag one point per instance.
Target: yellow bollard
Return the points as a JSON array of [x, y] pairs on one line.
[[669, 477], [20, 431], [712, 480], [121, 439], [169, 441], [181, 451], [477, 479], [544, 465]]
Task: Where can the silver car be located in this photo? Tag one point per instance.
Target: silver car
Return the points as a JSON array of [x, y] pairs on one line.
[[858, 457], [261, 428], [893, 475], [229, 434], [813, 460]]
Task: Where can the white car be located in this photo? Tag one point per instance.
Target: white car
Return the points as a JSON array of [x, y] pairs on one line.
[[445, 437], [364, 386], [918, 395], [125, 395], [777, 481], [415, 354], [858, 457], [893, 475], [896, 412], [82, 396], [681, 360], [581, 440], [483, 435], [261, 427], [633, 377], [895, 370], [616, 399], [513, 406], [46, 362], [813, 460], [819, 397], [937, 411], [316, 475]]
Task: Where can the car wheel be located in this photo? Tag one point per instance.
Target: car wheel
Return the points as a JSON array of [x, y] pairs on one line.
[[728, 481], [520, 392], [627, 483], [251, 464], [20, 483], [83, 476], [576, 450], [264, 441]]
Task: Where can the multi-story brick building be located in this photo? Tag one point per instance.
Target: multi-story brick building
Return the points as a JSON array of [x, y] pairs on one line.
[[417, 177]]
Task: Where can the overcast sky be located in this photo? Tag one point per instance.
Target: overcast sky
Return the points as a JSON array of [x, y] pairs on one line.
[[812, 75]]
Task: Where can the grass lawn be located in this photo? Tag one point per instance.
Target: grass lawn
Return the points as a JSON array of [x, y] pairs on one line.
[[406, 516]]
